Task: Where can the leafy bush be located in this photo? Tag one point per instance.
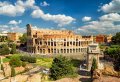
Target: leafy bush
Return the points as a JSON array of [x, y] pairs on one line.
[[13, 49], [61, 67], [94, 66], [8, 57], [4, 49], [15, 61], [12, 72], [116, 39], [114, 53], [23, 64], [28, 59]]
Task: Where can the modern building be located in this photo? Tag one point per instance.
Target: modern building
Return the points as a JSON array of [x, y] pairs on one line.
[[56, 41]]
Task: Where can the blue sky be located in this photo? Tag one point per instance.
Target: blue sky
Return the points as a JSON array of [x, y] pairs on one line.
[[84, 17]]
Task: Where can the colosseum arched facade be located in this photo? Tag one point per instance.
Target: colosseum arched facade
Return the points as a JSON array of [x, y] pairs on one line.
[[56, 41]]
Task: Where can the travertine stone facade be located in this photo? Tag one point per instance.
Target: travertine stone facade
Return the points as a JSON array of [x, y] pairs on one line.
[[93, 52], [55, 41]]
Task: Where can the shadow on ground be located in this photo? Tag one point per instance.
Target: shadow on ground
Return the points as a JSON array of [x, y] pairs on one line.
[[85, 79], [84, 76], [84, 73]]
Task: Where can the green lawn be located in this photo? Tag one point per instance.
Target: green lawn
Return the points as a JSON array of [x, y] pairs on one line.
[[45, 62]]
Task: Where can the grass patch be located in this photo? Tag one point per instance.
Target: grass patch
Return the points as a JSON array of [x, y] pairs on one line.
[[45, 62], [6, 60], [77, 62]]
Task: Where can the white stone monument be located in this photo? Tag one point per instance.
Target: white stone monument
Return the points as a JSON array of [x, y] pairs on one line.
[[93, 52]]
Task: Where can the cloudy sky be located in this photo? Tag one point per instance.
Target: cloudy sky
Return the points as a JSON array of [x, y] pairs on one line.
[[84, 17]]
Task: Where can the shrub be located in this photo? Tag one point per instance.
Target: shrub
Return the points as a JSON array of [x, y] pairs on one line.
[[8, 57], [4, 49], [61, 67], [23, 64], [13, 49], [32, 60], [15, 61], [94, 66], [28, 59], [12, 72]]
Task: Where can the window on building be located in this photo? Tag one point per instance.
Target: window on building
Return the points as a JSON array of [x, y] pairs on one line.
[[76, 43], [48, 43], [67, 43], [35, 41], [64, 50], [54, 43], [54, 50], [51, 43], [64, 43], [79, 43], [48, 50], [67, 50], [40, 42]]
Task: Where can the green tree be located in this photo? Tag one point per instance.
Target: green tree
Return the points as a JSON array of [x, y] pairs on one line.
[[4, 49], [114, 51], [116, 38], [114, 54], [94, 66], [61, 67], [23, 39], [13, 49], [12, 72], [15, 61]]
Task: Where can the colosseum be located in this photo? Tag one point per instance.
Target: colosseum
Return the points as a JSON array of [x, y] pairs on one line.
[[56, 41]]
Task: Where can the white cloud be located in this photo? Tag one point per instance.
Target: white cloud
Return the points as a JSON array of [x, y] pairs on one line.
[[44, 4], [86, 18], [21, 6], [61, 20], [105, 25], [16, 9], [113, 6], [13, 22], [11, 28], [108, 23], [110, 17]]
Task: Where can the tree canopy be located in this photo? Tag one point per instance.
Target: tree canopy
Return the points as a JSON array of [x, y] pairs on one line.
[[61, 67], [23, 39], [15, 61], [4, 49], [13, 49], [114, 51], [116, 38], [94, 66]]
